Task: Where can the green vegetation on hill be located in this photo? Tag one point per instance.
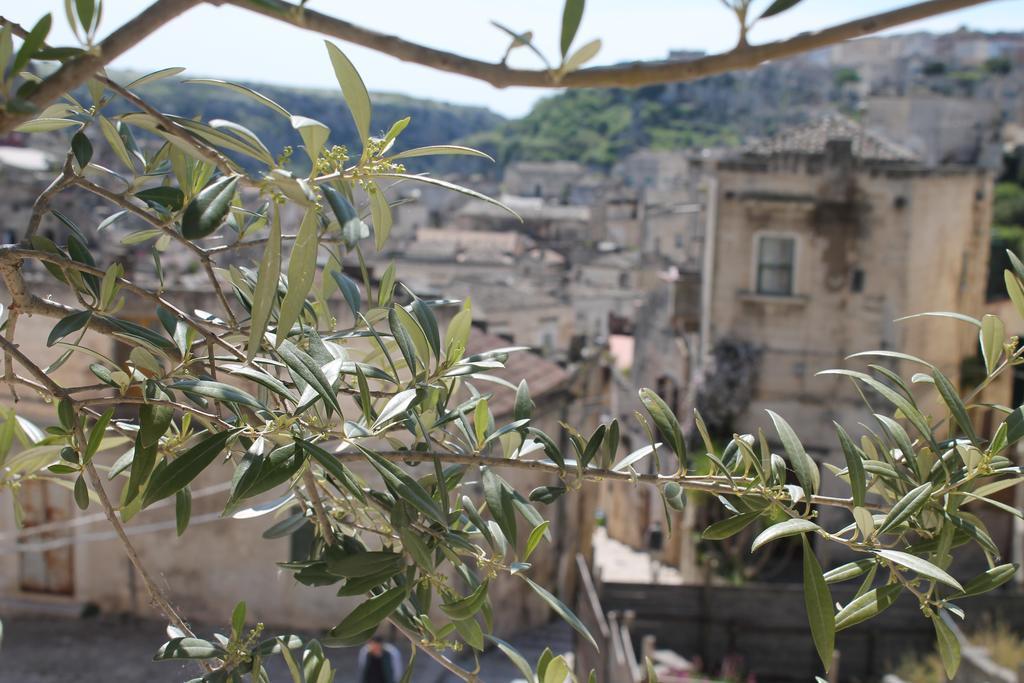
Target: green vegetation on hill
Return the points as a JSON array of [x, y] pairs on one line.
[[599, 126], [431, 122]]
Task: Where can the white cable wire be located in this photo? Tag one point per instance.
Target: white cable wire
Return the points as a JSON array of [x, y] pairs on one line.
[[13, 548], [86, 520]]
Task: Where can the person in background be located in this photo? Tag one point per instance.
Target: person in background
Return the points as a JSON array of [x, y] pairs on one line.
[[655, 540], [379, 662]]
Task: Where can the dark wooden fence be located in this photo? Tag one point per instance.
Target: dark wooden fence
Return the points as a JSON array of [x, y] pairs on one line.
[[766, 625]]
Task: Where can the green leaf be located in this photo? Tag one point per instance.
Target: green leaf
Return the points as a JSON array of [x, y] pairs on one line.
[[956, 406], [218, 391], [242, 90], [188, 648], [68, 325], [572, 14], [790, 527], [948, 643], [906, 507], [44, 125], [805, 468], [349, 290], [729, 526], [96, 435], [990, 579], [868, 605], [380, 213], [535, 537], [557, 670], [431, 150], [634, 457], [467, 607], [81, 493], [396, 405], [154, 76], [366, 616], [353, 89], [818, 601], [559, 607], [904, 405], [31, 43], [182, 510], [265, 293], [580, 57], [850, 570], [919, 565], [209, 208], [301, 272], [166, 197], [523, 405], [667, 423], [81, 148], [991, 338], [306, 369], [854, 466], [778, 7], [186, 467], [1015, 292], [513, 655], [407, 488], [430, 180], [314, 135], [470, 632]]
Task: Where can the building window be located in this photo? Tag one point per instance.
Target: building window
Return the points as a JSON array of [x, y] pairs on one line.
[[776, 258]]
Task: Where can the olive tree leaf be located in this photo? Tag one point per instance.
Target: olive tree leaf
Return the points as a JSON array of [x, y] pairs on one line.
[[778, 7], [949, 644], [790, 527], [513, 655], [186, 467], [559, 607], [572, 14], [209, 208], [353, 89], [956, 406], [666, 422], [241, 90], [818, 601], [805, 468], [218, 391], [366, 616], [314, 134], [301, 271], [991, 337], [265, 292], [867, 605], [380, 212], [854, 465], [906, 507], [730, 526], [919, 565]]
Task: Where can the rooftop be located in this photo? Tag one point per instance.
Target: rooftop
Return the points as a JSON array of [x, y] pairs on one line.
[[542, 375], [813, 139]]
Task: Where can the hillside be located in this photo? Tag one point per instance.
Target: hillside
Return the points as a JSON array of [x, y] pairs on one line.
[[599, 126], [432, 122]]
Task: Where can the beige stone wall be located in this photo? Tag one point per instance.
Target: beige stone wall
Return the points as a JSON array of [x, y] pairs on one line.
[[219, 561]]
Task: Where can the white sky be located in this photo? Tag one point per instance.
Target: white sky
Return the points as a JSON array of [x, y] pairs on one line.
[[234, 44]]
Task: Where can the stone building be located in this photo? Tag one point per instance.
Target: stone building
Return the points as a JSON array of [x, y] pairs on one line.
[[816, 241], [68, 557]]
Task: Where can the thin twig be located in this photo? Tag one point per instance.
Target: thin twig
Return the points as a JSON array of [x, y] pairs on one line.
[[326, 530], [415, 640]]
